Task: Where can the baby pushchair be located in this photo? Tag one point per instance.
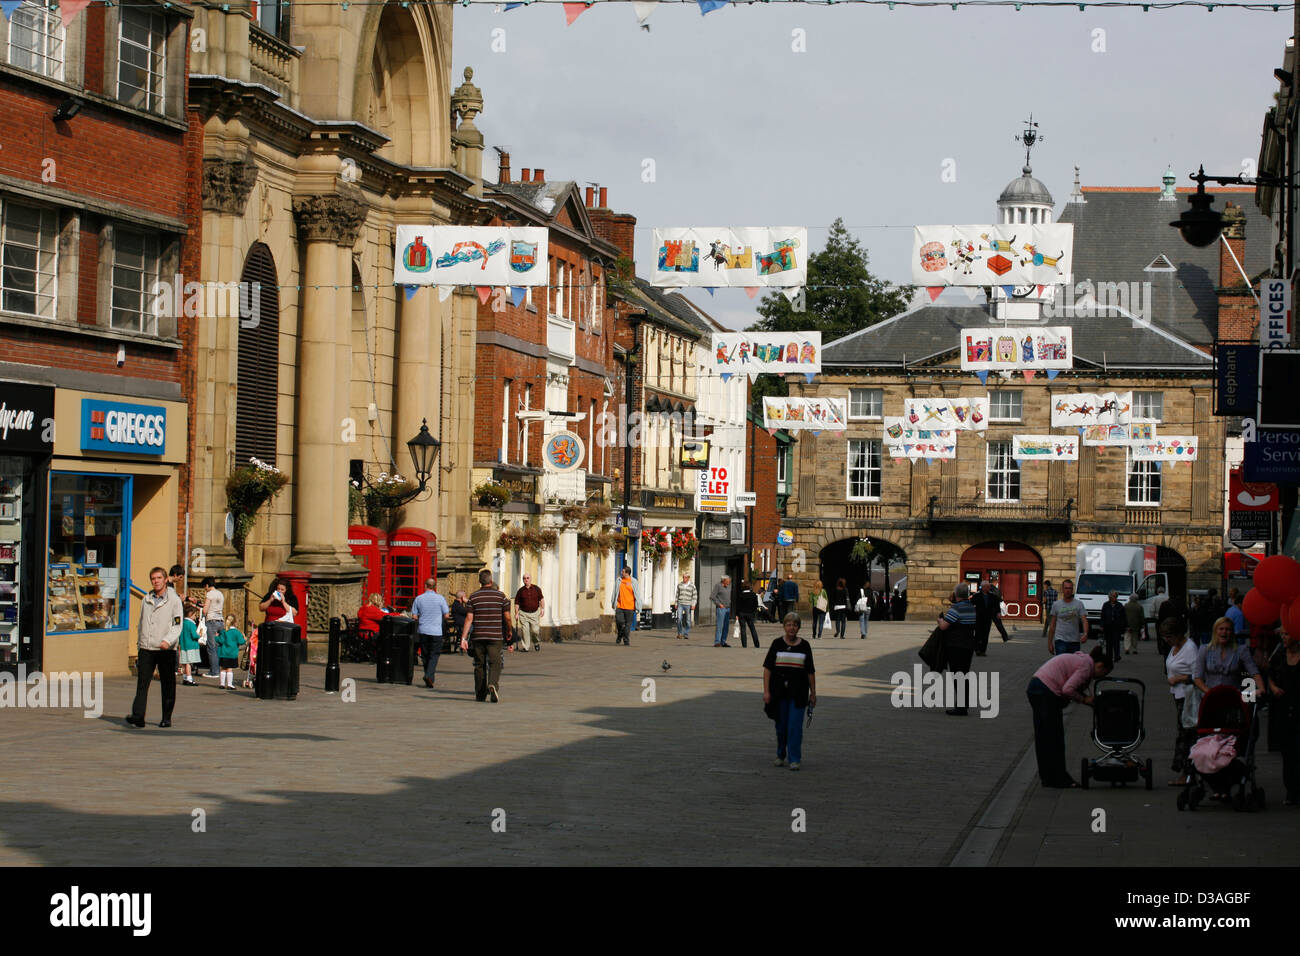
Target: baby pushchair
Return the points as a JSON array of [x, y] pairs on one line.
[[1118, 729], [1226, 716]]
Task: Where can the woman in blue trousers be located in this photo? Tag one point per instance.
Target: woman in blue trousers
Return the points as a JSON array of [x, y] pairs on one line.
[[789, 689]]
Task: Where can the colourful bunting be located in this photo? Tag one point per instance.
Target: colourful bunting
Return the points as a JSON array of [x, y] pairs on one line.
[[517, 295], [983, 376], [9, 6], [1052, 373], [751, 290], [484, 293], [572, 11], [643, 9], [1040, 291], [1008, 290], [708, 6], [410, 291], [808, 377], [1029, 374], [934, 291], [709, 289], [445, 291], [725, 376], [68, 10]]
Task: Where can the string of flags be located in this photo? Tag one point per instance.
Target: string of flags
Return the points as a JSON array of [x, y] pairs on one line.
[[68, 9]]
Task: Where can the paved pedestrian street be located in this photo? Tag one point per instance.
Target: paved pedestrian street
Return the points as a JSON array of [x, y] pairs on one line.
[[576, 765]]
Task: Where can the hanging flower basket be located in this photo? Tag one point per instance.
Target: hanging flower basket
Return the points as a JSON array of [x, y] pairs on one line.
[[490, 494], [685, 545], [247, 489], [511, 539], [572, 514]]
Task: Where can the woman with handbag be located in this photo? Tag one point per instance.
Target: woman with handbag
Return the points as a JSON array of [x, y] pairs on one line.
[[820, 602], [840, 608], [1180, 665], [863, 607]]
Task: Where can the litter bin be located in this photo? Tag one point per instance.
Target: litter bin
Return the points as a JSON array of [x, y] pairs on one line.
[[277, 661], [395, 661]]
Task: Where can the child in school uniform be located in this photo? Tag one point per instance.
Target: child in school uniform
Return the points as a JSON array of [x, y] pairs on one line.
[[191, 652], [229, 642]]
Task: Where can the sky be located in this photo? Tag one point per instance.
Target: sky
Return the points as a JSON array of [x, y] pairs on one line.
[[794, 114]]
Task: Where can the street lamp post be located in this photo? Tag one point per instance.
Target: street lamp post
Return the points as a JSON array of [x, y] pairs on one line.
[[630, 358], [424, 450]]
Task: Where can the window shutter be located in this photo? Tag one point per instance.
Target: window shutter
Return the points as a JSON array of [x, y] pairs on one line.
[[257, 389]]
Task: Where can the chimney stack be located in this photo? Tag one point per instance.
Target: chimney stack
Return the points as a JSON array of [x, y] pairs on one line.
[[604, 201], [539, 175], [1238, 315], [590, 192], [525, 175], [1234, 239], [503, 174]]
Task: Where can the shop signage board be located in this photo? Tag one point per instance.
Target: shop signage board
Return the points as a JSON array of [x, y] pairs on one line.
[[1237, 368], [26, 419], [123, 427], [1275, 313], [713, 491]]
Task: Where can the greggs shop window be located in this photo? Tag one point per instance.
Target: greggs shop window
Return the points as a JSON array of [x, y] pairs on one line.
[[89, 549]]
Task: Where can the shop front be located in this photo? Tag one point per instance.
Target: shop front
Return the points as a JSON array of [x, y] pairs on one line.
[[722, 553], [666, 515], [26, 443], [112, 514]]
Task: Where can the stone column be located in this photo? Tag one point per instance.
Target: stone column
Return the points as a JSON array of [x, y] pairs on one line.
[[418, 374], [455, 546], [226, 187], [328, 227]]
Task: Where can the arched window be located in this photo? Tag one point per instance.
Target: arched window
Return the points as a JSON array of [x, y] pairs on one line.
[[257, 389]]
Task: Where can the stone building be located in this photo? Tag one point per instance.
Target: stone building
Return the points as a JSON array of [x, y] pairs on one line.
[[982, 513], [546, 365], [324, 128], [99, 211]]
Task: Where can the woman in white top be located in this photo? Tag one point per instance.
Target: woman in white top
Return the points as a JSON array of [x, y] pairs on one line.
[[1180, 666], [214, 622]]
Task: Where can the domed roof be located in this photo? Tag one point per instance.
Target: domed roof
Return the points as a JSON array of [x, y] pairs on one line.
[[1025, 190]]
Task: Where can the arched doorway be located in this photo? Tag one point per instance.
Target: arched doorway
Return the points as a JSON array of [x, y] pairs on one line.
[[862, 560], [1014, 568], [1173, 564]]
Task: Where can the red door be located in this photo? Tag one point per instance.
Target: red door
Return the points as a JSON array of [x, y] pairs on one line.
[[1008, 565]]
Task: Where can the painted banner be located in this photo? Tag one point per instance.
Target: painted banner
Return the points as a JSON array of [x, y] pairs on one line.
[[716, 257], [1045, 447], [1168, 448], [1104, 435], [805, 414], [962, 414], [1011, 254], [779, 353], [1004, 349], [471, 255], [905, 442], [1088, 408]]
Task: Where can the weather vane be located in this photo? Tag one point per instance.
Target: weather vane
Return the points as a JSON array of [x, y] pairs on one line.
[[1029, 137]]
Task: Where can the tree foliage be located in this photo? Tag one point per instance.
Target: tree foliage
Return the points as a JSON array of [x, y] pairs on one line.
[[842, 296]]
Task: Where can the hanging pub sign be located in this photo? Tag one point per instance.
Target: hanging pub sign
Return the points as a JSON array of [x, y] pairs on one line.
[[563, 452], [805, 414], [695, 453], [731, 256], [26, 419], [1001, 349], [471, 255], [1010, 254]]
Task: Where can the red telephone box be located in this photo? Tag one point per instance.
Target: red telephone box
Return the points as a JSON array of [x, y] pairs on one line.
[[412, 559], [369, 546]]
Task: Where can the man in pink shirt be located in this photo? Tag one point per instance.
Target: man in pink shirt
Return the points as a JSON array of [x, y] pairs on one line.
[[1063, 678]]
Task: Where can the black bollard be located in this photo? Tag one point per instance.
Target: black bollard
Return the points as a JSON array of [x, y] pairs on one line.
[[332, 666]]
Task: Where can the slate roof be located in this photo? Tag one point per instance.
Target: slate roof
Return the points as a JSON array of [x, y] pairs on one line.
[[1118, 232], [930, 334]]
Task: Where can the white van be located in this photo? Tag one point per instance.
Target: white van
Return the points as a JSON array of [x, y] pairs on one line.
[[1100, 568]]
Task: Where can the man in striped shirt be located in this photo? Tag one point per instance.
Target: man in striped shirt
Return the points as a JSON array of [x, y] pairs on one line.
[[687, 595], [488, 622], [958, 625]]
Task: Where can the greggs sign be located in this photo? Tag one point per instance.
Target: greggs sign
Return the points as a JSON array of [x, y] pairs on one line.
[[123, 427]]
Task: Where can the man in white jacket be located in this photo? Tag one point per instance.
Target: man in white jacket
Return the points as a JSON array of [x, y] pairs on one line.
[[162, 617]]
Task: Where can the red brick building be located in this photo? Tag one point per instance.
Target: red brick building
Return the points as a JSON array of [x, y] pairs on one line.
[[544, 365], [99, 212], [769, 467]]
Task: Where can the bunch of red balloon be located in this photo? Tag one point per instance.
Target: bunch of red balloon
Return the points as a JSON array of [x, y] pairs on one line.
[[1276, 595]]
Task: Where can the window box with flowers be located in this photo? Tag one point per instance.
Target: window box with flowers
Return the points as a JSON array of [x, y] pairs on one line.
[[247, 489], [491, 494]]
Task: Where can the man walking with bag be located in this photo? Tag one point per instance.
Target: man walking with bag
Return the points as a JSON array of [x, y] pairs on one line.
[[488, 621], [162, 619]]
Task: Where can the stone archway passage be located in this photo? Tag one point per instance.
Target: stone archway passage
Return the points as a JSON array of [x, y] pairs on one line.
[[834, 562], [1170, 562], [1016, 570]]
